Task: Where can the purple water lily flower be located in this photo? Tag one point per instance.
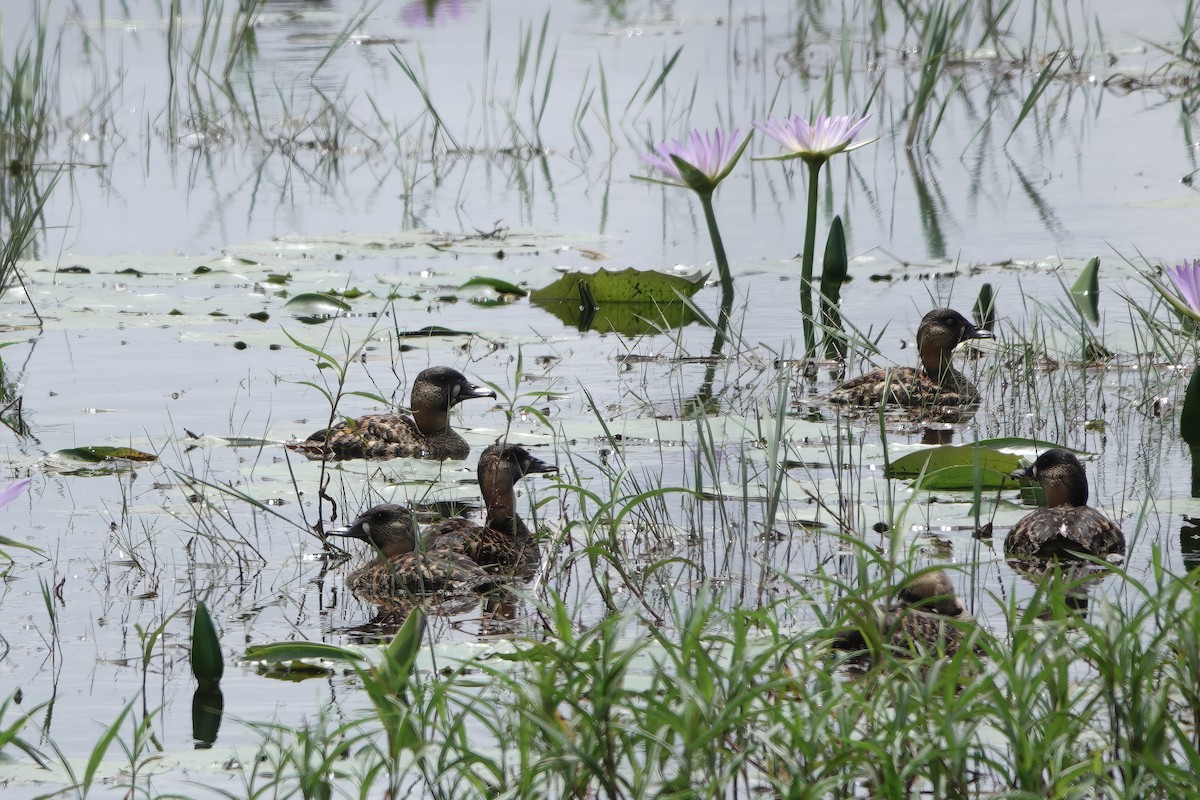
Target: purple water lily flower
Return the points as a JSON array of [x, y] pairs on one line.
[[1186, 278], [13, 491], [818, 140], [707, 158]]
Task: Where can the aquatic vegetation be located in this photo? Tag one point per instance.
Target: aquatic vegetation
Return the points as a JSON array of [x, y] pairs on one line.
[[716, 517], [1185, 279], [815, 143], [700, 163]]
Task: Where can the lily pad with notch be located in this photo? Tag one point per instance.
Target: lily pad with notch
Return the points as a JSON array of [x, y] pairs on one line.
[[630, 302]]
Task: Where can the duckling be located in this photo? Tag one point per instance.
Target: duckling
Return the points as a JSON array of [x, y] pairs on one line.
[[426, 434], [400, 569], [503, 542], [1068, 526], [935, 383], [927, 616]]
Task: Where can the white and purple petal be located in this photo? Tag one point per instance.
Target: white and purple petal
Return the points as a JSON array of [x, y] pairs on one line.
[[13, 491], [1186, 278]]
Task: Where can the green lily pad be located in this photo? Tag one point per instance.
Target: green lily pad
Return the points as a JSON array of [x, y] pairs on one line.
[[627, 286], [940, 458], [316, 303], [434, 330], [95, 455], [962, 478], [278, 652], [501, 286]]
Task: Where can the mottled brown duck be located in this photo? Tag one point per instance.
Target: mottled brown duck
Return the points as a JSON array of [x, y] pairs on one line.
[[400, 569], [1068, 527], [927, 616], [935, 383], [503, 543], [426, 434]]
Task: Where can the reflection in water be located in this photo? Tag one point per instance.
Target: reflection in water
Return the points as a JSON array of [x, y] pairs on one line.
[[703, 403], [937, 434], [208, 706], [1063, 587], [431, 13]]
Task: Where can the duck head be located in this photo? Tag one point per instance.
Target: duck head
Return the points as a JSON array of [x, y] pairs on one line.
[[437, 390], [933, 592], [501, 465], [940, 331], [389, 528], [1061, 476]]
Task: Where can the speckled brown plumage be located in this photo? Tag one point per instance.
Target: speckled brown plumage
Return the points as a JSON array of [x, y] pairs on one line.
[[1068, 526], [455, 557], [926, 617], [426, 434], [399, 569], [503, 544], [935, 383]]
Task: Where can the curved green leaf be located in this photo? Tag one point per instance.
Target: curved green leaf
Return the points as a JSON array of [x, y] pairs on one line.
[[292, 651], [94, 455], [1086, 291], [939, 458], [316, 303], [207, 663], [627, 286], [501, 286]]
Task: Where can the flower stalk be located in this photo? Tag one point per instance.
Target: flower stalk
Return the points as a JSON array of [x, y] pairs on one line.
[[815, 143]]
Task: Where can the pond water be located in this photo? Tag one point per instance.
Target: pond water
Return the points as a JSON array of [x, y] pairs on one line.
[[189, 178]]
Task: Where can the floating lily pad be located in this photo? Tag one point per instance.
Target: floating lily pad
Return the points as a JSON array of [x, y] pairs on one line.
[[501, 286], [627, 286], [434, 330], [278, 652], [96, 455], [312, 303], [941, 458], [962, 478]]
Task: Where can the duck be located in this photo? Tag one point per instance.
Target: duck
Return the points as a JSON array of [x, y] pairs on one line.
[[1067, 527], [935, 383], [503, 543], [927, 615], [403, 568], [455, 557], [426, 434]]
